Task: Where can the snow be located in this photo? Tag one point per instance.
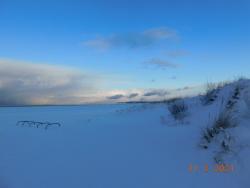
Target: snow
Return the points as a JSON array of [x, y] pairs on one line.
[[121, 146]]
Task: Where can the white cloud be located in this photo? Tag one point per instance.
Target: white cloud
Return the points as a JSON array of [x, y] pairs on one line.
[[27, 83], [23, 83], [160, 63], [132, 40]]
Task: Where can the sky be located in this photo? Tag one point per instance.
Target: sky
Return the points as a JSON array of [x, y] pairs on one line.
[[72, 51]]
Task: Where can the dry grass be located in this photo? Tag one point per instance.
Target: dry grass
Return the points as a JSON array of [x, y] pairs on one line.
[[225, 120], [178, 109], [210, 93], [219, 127]]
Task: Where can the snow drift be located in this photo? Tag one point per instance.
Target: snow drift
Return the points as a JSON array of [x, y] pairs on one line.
[[131, 145]]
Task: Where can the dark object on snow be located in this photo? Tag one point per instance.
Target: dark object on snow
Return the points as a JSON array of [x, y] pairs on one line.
[[37, 124]]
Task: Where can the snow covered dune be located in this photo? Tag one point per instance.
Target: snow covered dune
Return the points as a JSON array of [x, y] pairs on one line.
[[129, 145]]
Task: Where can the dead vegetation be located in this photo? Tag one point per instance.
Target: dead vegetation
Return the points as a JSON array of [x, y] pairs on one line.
[[235, 97], [37, 124], [178, 109], [218, 133], [210, 95]]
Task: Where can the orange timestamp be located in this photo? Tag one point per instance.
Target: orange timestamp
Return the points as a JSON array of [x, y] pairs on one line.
[[220, 168]]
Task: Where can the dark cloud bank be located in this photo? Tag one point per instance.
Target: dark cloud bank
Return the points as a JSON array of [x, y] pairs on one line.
[[29, 84]]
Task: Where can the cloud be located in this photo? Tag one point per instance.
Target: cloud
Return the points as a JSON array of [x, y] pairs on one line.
[[115, 97], [184, 88], [133, 95], [132, 40], [177, 53], [24, 83], [150, 94], [158, 92], [161, 63], [173, 77]]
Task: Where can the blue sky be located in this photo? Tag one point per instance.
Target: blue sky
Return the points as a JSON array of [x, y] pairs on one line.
[[131, 44]]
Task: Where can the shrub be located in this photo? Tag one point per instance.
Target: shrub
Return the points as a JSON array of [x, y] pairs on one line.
[[207, 136], [178, 109], [172, 100], [224, 120], [210, 93], [235, 97]]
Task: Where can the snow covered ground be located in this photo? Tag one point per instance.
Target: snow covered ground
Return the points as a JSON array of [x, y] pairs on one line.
[[126, 145]]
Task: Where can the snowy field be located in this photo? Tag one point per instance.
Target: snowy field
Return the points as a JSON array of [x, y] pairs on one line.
[[122, 146]]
